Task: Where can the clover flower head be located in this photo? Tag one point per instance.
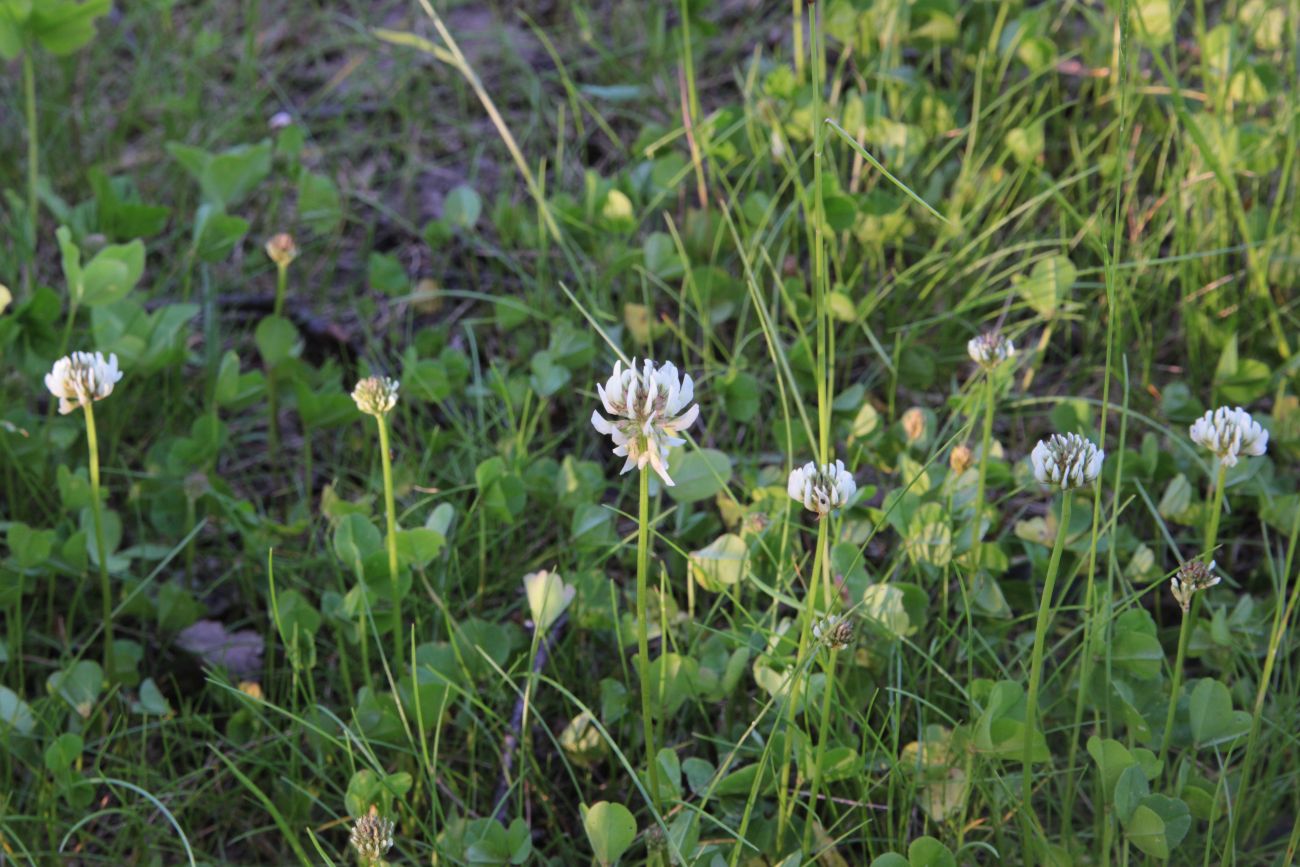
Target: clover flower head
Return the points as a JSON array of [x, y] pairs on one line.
[[1191, 578], [1230, 432], [376, 395], [1066, 461], [82, 377], [990, 349], [834, 632], [371, 837], [821, 489], [960, 458], [282, 249], [648, 408]]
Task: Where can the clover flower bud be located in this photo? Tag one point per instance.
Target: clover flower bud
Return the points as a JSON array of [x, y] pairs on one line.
[[282, 250], [1066, 461]]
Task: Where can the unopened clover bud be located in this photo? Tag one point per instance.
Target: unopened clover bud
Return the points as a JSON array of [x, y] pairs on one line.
[[282, 250], [961, 458], [914, 424]]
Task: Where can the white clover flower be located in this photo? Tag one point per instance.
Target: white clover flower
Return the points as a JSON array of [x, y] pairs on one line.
[[990, 349], [647, 406], [1066, 461], [82, 377], [372, 837], [376, 395], [1228, 433], [834, 632], [821, 490], [1192, 577]]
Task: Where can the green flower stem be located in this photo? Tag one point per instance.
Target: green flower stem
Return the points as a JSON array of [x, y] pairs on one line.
[[281, 284], [642, 639], [33, 163], [823, 735], [1036, 658], [785, 806], [986, 445], [390, 512], [106, 591], [1191, 615]]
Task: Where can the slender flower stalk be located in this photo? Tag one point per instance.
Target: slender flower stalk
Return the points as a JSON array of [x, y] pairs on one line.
[[643, 639], [80, 379], [650, 405], [821, 490], [1192, 577], [1062, 463], [377, 395], [988, 350], [1228, 433]]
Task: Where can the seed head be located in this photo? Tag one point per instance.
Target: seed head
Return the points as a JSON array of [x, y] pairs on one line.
[[834, 632], [371, 837], [376, 395], [649, 407], [1066, 461], [1228, 433], [82, 377], [822, 490], [990, 349], [1191, 578]]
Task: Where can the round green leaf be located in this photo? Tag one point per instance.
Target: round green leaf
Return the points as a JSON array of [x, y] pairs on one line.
[[611, 830]]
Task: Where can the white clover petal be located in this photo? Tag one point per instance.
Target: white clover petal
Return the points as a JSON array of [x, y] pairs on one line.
[[1066, 461]]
